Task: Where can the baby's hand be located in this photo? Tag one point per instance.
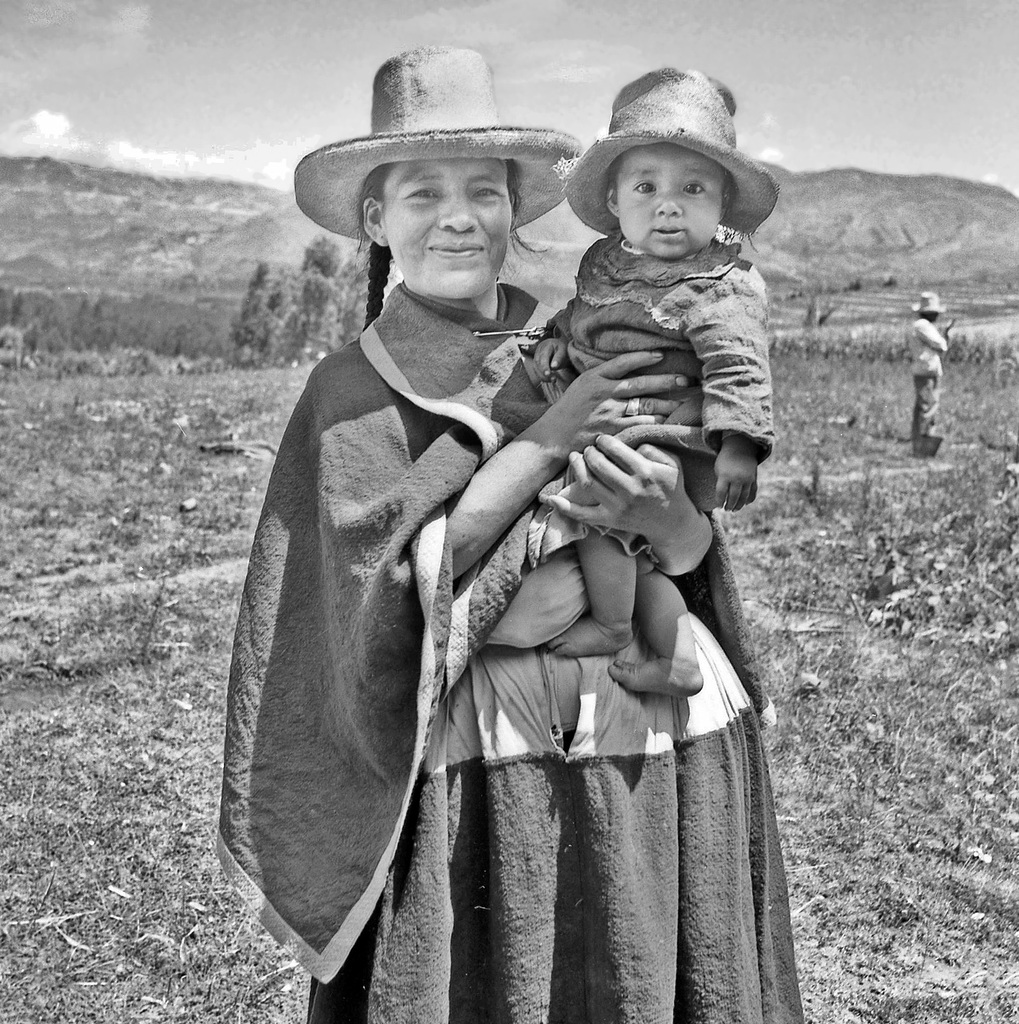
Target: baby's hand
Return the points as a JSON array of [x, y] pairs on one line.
[[550, 357], [736, 473]]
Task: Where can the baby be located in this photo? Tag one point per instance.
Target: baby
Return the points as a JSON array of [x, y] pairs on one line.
[[671, 190]]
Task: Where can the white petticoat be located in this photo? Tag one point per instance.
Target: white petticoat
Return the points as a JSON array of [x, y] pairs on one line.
[[513, 701]]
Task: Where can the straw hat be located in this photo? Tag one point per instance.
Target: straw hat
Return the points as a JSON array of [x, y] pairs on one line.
[[929, 303], [431, 103], [688, 109]]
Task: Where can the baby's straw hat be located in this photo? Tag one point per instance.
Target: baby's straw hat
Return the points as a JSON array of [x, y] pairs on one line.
[[431, 103], [929, 303], [685, 108]]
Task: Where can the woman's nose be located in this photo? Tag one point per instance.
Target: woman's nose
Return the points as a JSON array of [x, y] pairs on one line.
[[457, 216]]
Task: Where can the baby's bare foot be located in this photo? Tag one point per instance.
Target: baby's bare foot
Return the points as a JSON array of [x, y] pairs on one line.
[[659, 675], [589, 636]]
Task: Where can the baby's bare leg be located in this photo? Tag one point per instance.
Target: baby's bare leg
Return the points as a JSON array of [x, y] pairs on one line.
[[665, 623], [610, 576]]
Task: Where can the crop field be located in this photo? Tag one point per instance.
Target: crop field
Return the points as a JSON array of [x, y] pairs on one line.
[[882, 590]]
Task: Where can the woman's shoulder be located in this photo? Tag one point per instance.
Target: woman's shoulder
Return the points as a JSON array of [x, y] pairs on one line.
[[346, 380], [345, 372]]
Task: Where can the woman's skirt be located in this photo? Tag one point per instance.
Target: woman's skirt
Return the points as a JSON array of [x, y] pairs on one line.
[[629, 872]]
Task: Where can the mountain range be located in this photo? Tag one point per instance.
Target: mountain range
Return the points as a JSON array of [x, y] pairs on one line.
[[80, 226]]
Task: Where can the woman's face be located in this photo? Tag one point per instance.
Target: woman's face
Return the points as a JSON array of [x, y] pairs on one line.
[[448, 224]]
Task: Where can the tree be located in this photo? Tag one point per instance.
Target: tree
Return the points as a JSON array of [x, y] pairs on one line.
[[12, 346], [287, 315], [331, 297], [265, 326], [322, 257]]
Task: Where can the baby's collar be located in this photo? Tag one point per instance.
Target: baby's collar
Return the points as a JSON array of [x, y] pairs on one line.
[[620, 262]]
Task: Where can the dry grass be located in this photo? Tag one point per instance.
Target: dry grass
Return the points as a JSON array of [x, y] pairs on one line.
[[895, 758], [118, 611]]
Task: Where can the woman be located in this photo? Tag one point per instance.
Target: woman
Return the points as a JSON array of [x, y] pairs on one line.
[[444, 821]]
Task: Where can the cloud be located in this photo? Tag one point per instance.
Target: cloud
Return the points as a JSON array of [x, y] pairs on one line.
[[278, 170], [576, 73], [491, 25], [527, 41], [43, 134], [62, 47], [264, 163], [995, 179], [50, 126], [771, 155], [131, 21], [46, 133], [88, 20], [65, 38], [125, 154], [48, 13]]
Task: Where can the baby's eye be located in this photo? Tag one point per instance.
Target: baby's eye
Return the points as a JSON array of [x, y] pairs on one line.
[[644, 187], [693, 188]]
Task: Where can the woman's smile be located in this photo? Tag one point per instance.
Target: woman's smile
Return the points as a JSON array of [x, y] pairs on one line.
[[457, 251]]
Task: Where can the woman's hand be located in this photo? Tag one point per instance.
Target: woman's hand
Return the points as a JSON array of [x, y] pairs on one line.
[[597, 402], [640, 492]]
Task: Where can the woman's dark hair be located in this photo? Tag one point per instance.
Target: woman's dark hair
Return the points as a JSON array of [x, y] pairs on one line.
[[380, 257], [513, 187]]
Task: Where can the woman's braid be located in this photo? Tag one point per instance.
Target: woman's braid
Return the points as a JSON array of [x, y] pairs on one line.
[[379, 259]]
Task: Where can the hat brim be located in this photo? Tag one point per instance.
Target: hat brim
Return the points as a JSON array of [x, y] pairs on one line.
[[327, 182], [920, 308], [588, 184]]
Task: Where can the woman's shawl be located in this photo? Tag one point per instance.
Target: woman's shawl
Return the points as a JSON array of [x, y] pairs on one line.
[[349, 627]]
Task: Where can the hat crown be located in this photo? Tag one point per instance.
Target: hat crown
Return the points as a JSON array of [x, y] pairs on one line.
[[668, 103], [434, 88], [930, 302]]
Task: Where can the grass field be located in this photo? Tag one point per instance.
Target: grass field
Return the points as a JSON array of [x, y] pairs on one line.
[[883, 592]]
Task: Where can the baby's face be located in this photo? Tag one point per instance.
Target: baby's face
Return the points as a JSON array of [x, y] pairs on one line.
[[668, 199]]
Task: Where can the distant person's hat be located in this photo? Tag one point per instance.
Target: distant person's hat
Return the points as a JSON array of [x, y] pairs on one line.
[[431, 103], [929, 303], [686, 108]]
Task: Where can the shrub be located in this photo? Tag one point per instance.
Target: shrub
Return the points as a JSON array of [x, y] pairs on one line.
[[292, 315]]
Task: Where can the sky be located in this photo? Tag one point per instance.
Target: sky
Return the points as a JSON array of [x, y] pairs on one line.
[[244, 88]]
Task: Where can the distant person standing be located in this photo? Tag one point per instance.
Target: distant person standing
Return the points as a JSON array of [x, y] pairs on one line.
[[927, 344]]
